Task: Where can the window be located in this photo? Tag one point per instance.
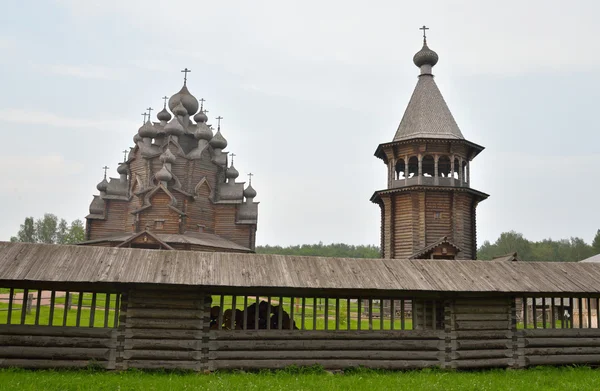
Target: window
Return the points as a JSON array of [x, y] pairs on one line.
[[437, 215], [159, 224]]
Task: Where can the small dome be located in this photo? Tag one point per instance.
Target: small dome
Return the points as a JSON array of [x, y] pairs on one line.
[[231, 173], [174, 128], [137, 138], [186, 99], [201, 117], [203, 132], [147, 130], [102, 186], [425, 56], [122, 169], [218, 141], [249, 192], [168, 157], [163, 175], [179, 109], [164, 115]]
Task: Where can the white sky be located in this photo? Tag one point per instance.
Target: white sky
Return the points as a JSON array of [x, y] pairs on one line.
[[308, 90]]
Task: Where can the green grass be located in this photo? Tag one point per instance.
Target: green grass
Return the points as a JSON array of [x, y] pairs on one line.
[[57, 317], [542, 378]]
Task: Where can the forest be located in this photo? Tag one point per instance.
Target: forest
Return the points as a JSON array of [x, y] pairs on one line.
[[51, 229]]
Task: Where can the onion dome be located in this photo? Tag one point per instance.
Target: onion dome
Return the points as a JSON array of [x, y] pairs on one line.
[[231, 173], [425, 56], [102, 186], [218, 141], [186, 99], [164, 115], [174, 128], [203, 132], [179, 109], [137, 138], [249, 192], [164, 175], [168, 157], [122, 169], [201, 117], [147, 130]]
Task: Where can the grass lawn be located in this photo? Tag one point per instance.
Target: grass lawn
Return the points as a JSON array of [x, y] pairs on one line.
[[543, 378]]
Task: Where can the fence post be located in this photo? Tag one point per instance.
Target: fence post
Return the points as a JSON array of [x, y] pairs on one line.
[[29, 303]]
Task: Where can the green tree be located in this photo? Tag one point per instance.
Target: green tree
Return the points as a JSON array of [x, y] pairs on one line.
[[51, 230], [596, 242], [26, 233]]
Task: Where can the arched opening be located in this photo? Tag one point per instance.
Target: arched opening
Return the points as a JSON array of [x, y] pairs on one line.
[[444, 167], [400, 169], [464, 171], [456, 168], [428, 165], [413, 167]]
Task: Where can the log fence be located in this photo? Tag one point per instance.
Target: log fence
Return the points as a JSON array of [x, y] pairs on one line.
[[187, 328]]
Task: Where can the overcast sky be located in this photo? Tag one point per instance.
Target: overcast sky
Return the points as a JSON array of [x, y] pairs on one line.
[[307, 91]]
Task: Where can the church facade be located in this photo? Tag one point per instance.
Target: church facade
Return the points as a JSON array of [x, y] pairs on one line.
[[428, 208], [176, 188]]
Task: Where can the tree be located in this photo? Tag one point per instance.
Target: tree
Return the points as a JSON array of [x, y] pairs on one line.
[[51, 230], [26, 233], [596, 243]]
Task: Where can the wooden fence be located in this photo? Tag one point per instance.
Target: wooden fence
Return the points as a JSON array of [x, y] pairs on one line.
[[191, 329]]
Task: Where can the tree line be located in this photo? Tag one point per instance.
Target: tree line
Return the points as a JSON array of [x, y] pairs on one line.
[[564, 250], [51, 230]]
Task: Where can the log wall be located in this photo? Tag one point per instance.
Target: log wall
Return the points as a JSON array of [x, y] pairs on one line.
[[170, 328]]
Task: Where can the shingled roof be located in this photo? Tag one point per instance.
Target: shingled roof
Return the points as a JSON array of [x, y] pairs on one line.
[[427, 114], [101, 265]]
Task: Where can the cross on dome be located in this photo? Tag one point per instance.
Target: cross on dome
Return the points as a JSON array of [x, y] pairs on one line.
[[185, 72], [250, 175], [424, 28], [232, 156], [105, 168], [165, 99], [144, 114], [125, 155], [149, 112], [219, 118]]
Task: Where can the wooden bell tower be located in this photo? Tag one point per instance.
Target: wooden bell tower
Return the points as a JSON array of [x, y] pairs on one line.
[[428, 207]]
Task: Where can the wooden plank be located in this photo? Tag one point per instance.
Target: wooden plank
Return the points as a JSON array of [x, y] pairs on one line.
[[381, 301], [482, 334], [66, 308], [392, 314], [314, 313], [326, 313], [162, 334], [370, 314], [106, 308], [233, 308], [580, 304], [326, 345], [482, 354], [245, 313], [145, 323], [481, 325], [170, 304], [54, 353], [152, 354], [162, 364], [561, 351], [163, 313], [38, 307], [93, 310], [328, 335], [48, 364], [484, 344], [544, 312], [53, 341], [11, 296], [269, 313], [58, 331], [220, 318], [292, 303], [563, 359], [525, 308], [79, 304], [302, 321], [482, 363], [562, 342], [324, 354], [280, 314], [348, 314], [359, 315], [562, 333], [402, 315], [337, 314], [482, 317], [327, 364], [167, 344], [24, 305], [480, 310]]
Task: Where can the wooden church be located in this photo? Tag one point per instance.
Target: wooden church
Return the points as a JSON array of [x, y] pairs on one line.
[[176, 188], [428, 208]]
